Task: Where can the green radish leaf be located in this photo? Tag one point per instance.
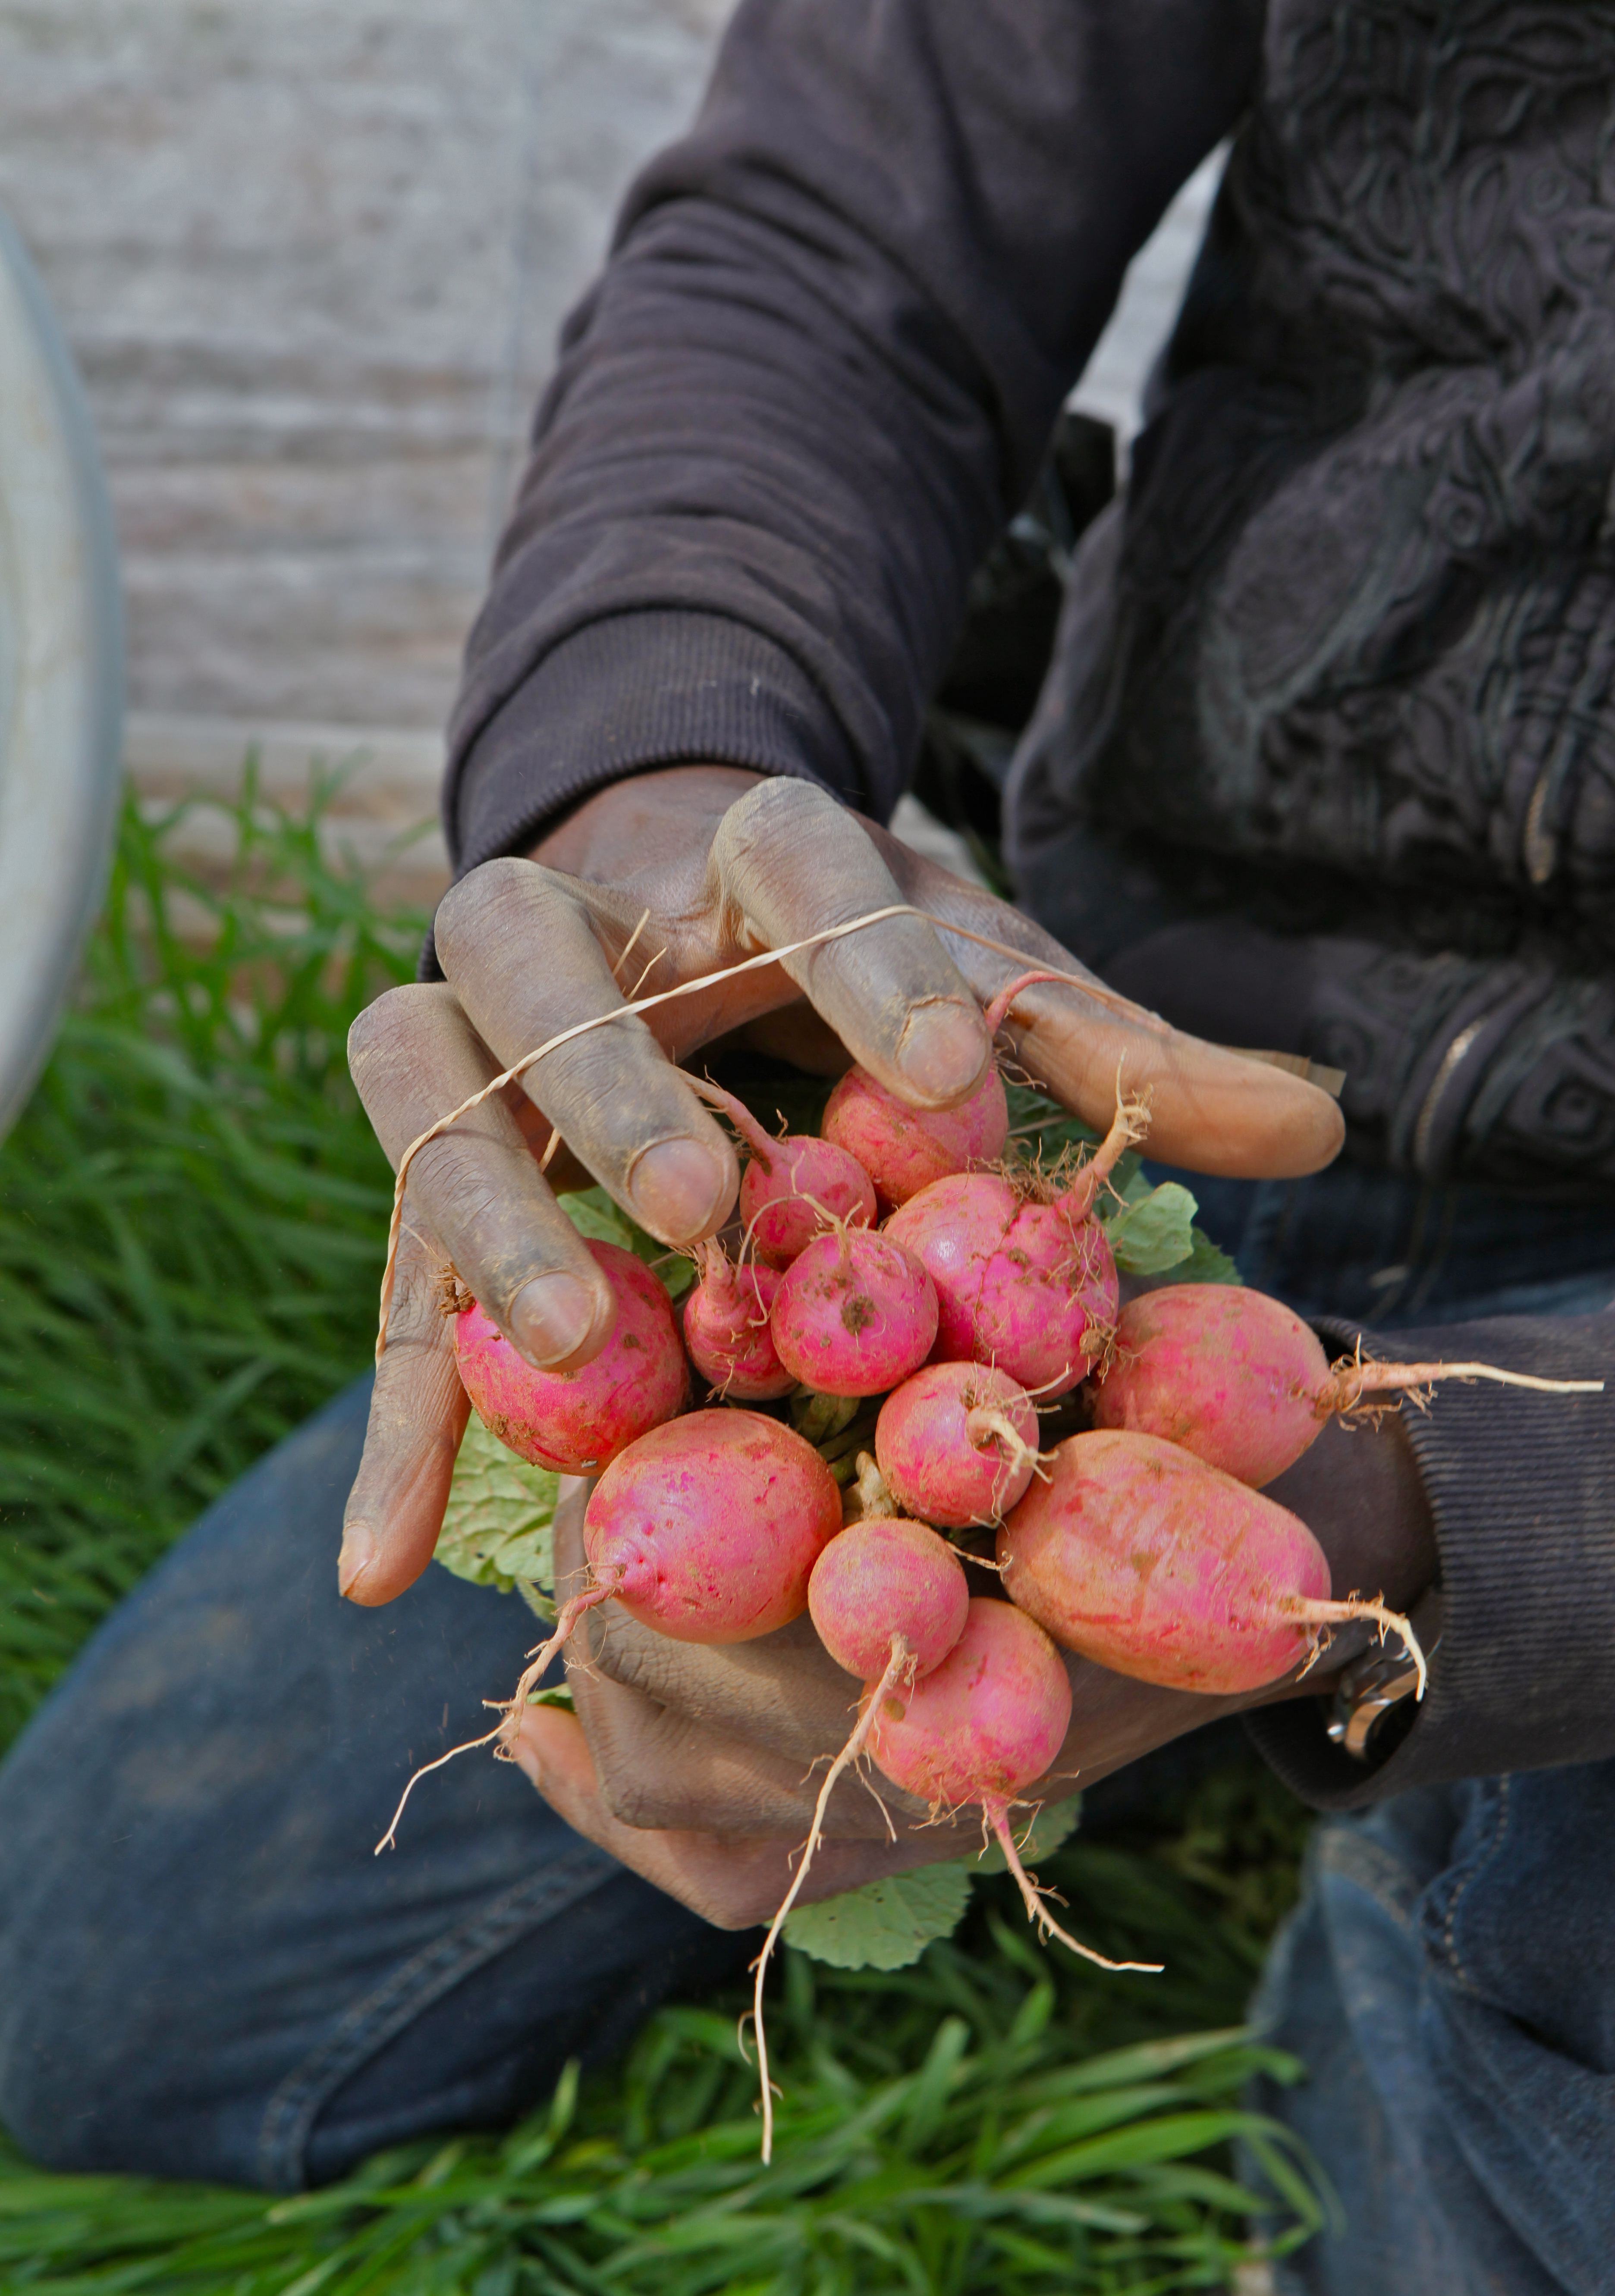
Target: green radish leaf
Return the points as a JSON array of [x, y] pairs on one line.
[[885, 1924], [1054, 1822], [1040, 1128], [593, 1213], [497, 1526], [1208, 1263], [1155, 1230]]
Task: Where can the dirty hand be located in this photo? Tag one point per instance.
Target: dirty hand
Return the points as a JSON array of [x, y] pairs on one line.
[[698, 1768], [698, 866]]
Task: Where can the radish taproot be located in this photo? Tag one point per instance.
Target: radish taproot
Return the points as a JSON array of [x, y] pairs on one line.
[[978, 1729], [1241, 1381], [706, 1530], [1140, 1556], [568, 1421], [889, 1601], [726, 1329], [854, 1313], [1025, 1277], [792, 1186], [957, 1443]]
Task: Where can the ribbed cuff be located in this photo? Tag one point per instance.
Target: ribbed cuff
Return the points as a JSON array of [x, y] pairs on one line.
[[1522, 1490], [620, 697]]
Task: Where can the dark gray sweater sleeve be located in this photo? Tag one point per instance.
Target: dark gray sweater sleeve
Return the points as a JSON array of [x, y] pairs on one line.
[[816, 376], [1521, 1489]]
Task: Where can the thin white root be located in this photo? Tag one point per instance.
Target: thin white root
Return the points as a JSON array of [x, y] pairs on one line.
[[511, 1709], [900, 1664], [1315, 1613], [1352, 1382], [1035, 1899]]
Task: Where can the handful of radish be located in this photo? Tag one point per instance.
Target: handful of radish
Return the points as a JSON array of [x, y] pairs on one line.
[[992, 1287]]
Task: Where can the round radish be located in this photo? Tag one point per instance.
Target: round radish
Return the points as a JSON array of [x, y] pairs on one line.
[[568, 1421], [957, 1443], [727, 1328], [854, 1313], [904, 1148], [1242, 1381], [1140, 1556], [881, 1580], [792, 1188], [707, 1528]]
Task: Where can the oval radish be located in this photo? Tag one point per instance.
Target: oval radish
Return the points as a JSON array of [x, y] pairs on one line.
[[1140, 1556], [568, 1421], [725, 1320], [957, 1443], [854, 1313], [1241, 1381]]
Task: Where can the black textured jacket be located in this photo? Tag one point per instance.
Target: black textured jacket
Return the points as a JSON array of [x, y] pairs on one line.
[[1332, 708]]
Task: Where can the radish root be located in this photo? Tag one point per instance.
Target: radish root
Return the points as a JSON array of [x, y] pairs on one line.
[[510, 1709], [1354, 1381], [899, 1666], [1315, 1613], [996, 1816]]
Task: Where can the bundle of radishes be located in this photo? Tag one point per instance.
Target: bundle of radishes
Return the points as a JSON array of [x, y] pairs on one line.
[[989, 1291]]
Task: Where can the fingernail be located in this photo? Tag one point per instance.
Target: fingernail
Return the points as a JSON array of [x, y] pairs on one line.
[[676, 1188], [550, 1317], [942, 1050], [358, 1552], [528, 1763]]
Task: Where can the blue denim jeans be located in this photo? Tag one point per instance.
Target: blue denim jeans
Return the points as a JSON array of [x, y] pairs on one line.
[[205, 1972], [1448, 1977]]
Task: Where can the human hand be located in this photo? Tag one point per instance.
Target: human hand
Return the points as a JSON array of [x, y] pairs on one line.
[[698, 866], [698, 1768]]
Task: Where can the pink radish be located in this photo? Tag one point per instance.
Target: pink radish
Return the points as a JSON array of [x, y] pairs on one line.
[[1140, 1556], [791, 1187], [904, 1149], [854, 1313], [707, 1528], [957, 1443], [1025, 1284], [883, 1578], [568, 1421], [889, 1601], [1243, 1382], [727, 1328]]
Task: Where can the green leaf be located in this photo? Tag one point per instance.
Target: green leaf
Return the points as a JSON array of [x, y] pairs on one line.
[[1155, 1230], [1208, 1263], [885, 1924], [593, 1213], [497, 1526]]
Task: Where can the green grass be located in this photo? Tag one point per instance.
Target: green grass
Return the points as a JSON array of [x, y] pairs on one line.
[[192, 1214]]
